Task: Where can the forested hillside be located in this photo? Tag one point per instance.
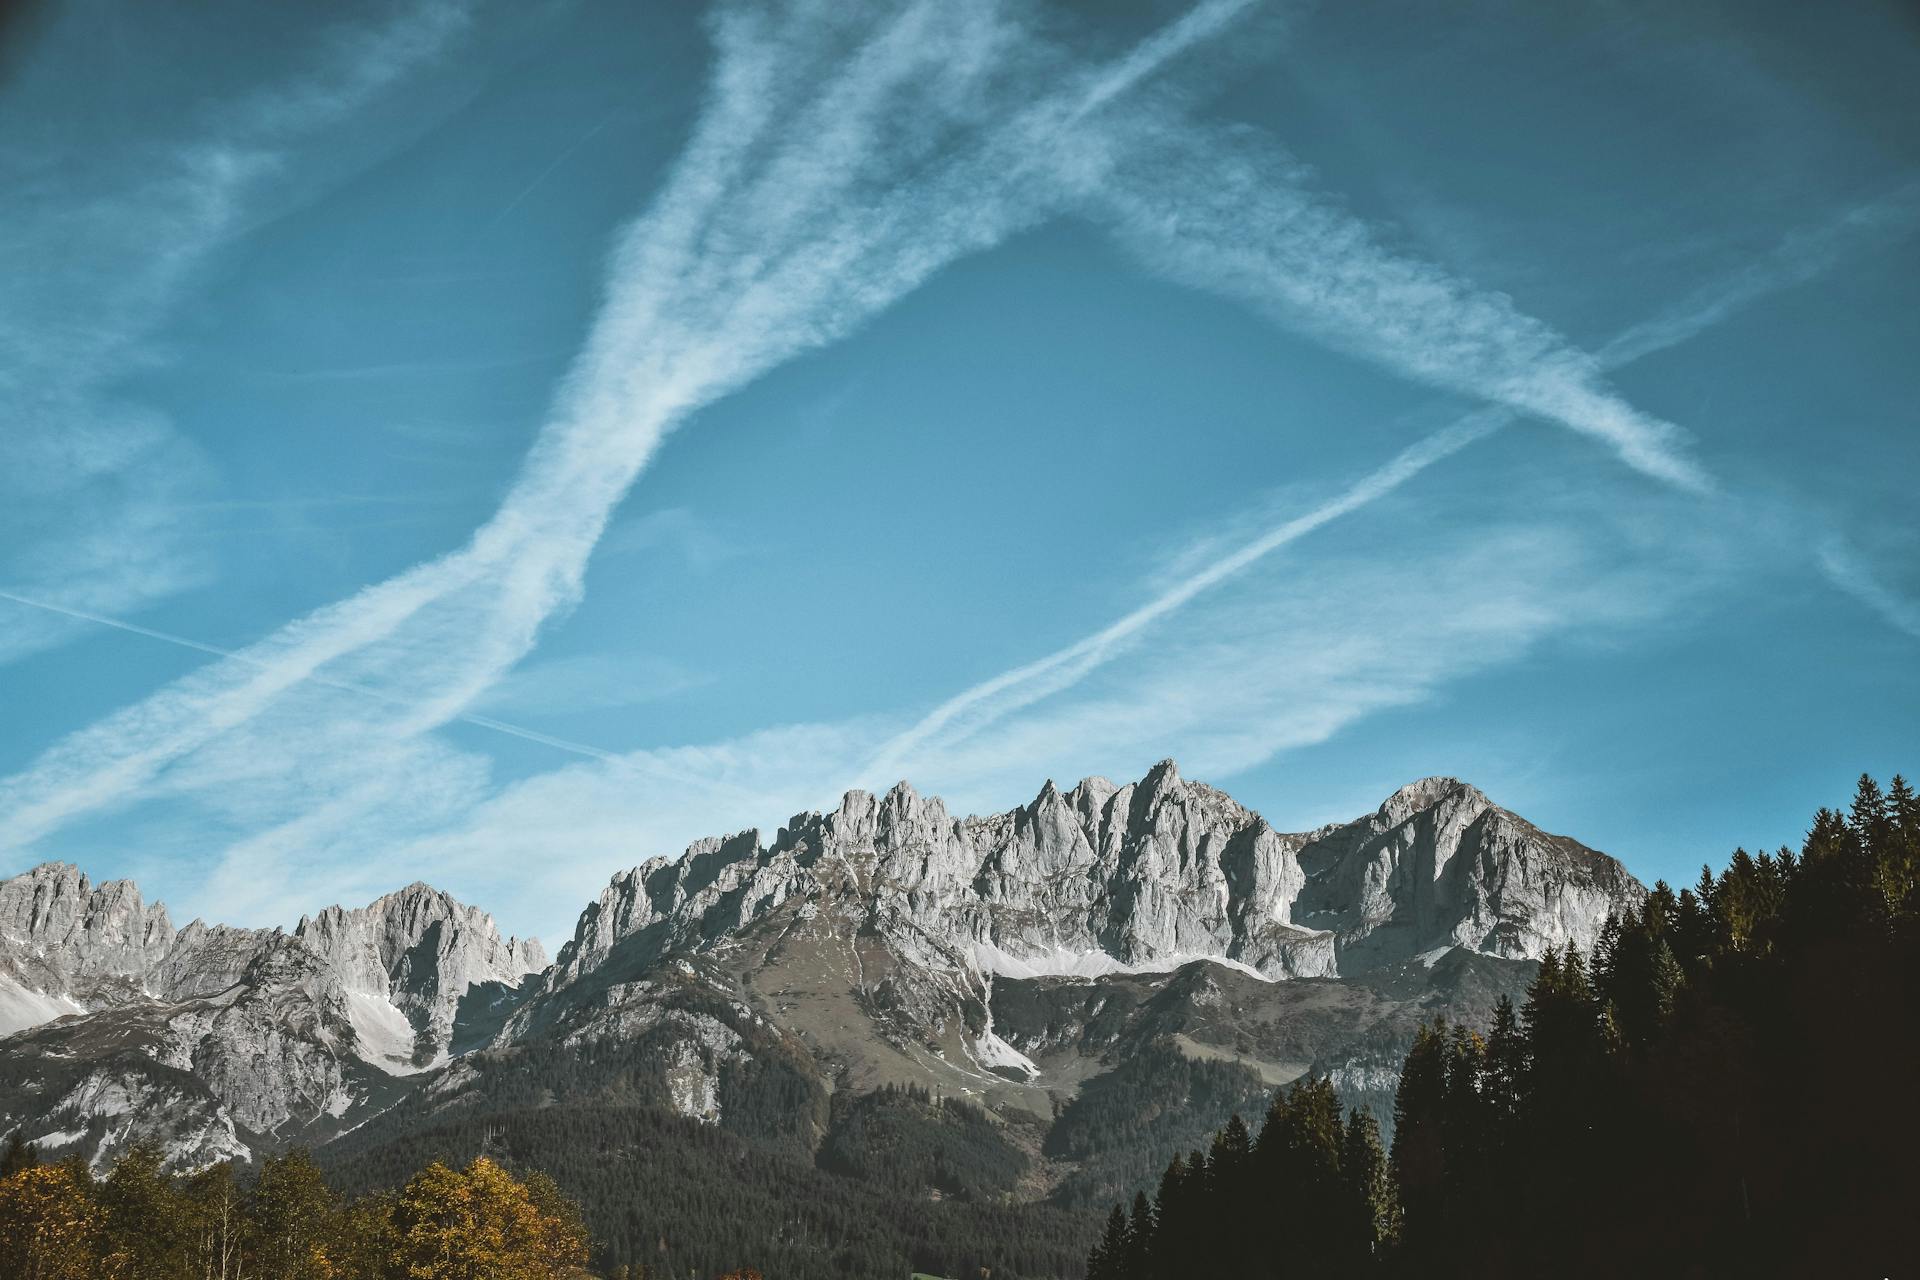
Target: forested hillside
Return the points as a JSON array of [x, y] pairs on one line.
[[59, 1222], [673, 1195], [1725, 1087]]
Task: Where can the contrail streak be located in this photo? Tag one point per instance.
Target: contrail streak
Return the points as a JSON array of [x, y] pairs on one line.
[[819, 187], [540, 178], [1796, 260], [1066, 666], [345, 686]]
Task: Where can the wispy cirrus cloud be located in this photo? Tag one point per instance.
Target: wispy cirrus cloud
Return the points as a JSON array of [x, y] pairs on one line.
[[1799, 257], [1235, 215], [1302, 652], [1847, 569], [1231, 678], [1802, 256], [836, 165], [588, 682], [90, 272], [974, 709]]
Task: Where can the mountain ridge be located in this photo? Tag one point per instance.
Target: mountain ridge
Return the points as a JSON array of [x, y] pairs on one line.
[[883, 942]]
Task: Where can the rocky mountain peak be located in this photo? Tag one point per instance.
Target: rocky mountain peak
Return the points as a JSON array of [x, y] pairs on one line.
[[1428, 792], [882, 931], [62, 935], [1162, 777], [1149, 874], [420, 951]]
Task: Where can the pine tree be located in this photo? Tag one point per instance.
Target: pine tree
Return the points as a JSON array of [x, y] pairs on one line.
[[1843, 892], [1419, 1143], [1108, 1260], [1901, 876], [1170, 1216], [1636, 976], [1372, 1211], [1298, 1165], [1670, 1147], [1870, 817], [1233, 1200], [1231, 1147], [1506, 1073], [1140, 1239], [1466, 1123]]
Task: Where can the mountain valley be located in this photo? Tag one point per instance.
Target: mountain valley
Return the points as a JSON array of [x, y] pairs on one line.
[[1032, 1008]]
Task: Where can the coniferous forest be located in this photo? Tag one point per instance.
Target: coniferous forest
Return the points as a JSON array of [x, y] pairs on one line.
[[1724, 1087]]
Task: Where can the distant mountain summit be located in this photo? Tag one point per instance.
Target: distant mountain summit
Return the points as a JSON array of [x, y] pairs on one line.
[[1141, 877], [214, 1040], [1018, 958]]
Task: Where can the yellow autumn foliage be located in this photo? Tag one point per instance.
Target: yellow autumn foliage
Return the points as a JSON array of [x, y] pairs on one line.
[[49, 1225], [141, 1223], [479, 1223]]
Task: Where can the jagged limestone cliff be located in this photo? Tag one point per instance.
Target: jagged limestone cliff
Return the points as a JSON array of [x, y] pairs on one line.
[[862, 946]]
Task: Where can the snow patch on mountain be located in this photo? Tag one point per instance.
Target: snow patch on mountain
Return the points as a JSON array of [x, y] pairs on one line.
[[993, 1053], [1064, 962], [21, 1007], [382, 1035]]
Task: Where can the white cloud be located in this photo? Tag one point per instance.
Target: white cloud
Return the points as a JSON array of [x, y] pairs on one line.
[[833, 169], [1846, 569], [1232, 214], [972, 710], [1298, 652], [89, 274], [1797, 259], [588, 682], [678, 529]]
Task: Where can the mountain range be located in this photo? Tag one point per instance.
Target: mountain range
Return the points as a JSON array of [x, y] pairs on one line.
[[1052, 966]]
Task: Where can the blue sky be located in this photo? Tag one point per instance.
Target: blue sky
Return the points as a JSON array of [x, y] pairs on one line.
[[497, 443]]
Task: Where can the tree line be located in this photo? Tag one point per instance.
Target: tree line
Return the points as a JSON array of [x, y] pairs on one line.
[[1725, 1086], [665, 1196], [59, 1222]]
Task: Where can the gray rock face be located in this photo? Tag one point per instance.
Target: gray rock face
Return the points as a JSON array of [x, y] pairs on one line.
[[863, 944], [422, 952], [65, 939], [279, 1033], [1145, 876]]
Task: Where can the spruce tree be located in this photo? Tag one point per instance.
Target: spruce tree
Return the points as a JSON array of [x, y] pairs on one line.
[[1298, 1158], [1108, 1260], [1419, 1145], [1371, 1214], [1169, 1220], [1224, 1242], [1636, 976], [1870, 816], [1140, 1239], [1902, 873], [1506, 1072]]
